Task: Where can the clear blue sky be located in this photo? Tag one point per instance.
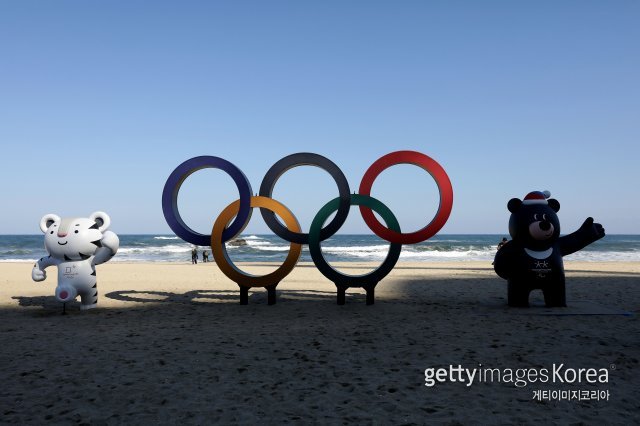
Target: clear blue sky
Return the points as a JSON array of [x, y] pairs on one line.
[[100, 101]]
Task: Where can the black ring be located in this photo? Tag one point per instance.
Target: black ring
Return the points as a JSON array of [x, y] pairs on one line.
[[305, 159], [373, 277]]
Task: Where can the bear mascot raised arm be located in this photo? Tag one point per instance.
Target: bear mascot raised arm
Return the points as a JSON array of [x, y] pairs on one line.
[[76, 246], [533, 258]]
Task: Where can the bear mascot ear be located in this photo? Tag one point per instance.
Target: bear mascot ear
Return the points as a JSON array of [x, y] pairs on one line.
[[554, 204], [101, 219], [514, 204], [47, 220]]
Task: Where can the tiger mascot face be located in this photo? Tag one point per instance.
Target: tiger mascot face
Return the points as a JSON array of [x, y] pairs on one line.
[[73, 238]]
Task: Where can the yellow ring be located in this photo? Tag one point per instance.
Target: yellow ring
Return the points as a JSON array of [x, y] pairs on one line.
[[225, 264]]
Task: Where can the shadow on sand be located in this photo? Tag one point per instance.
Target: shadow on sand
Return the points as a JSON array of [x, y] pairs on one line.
[[199, 357], [450, 293]]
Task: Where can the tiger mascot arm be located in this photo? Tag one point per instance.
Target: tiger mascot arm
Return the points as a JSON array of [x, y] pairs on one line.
[[109, 243], [38, 272]]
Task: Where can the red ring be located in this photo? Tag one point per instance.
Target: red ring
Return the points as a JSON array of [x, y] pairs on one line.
[[444, 186]]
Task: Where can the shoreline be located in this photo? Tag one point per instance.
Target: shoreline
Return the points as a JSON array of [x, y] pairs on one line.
[[360, 262]]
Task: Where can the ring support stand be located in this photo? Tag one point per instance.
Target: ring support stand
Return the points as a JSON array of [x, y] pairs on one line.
[[342, 289], [271, 294]]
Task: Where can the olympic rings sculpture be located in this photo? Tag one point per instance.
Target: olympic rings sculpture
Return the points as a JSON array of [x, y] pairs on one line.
[[225, 227]]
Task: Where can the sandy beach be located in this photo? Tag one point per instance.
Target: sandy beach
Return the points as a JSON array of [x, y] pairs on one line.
[[169, 343]]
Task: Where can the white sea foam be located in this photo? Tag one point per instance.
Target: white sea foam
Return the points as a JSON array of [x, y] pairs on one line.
[[156, 249], [605, 256], [258, 243], [263, 245], [446, 255], [378, 252], [269, 247], [408, 254], [19, 260], [358, 248]]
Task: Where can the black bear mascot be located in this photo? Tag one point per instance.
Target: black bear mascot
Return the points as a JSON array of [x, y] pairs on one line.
[[533, 258]]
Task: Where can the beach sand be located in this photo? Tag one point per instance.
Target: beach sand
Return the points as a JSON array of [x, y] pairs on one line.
[[169, 343]]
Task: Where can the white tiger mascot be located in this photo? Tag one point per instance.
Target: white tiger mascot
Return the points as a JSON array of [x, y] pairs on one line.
[[75, 246]]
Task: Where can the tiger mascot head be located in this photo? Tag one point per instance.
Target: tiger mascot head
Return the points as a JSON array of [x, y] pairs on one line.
[[73, 238]]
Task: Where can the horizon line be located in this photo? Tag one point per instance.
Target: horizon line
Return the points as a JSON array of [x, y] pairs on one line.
[[256, 233]]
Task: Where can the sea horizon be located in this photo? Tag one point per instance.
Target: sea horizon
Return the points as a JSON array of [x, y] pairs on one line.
[[339, 248]]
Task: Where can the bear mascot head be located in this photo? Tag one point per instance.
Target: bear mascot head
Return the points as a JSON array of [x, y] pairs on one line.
[[534, 221]]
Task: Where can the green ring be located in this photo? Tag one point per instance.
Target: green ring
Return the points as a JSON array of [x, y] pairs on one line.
[[340, 279]]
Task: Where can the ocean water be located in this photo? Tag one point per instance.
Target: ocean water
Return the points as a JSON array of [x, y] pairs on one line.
[[344, 248]]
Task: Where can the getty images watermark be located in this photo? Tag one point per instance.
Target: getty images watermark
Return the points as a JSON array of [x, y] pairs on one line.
[[557, 374]]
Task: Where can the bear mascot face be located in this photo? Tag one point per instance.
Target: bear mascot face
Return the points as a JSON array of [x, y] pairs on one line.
[[74, 238], [534, 222]]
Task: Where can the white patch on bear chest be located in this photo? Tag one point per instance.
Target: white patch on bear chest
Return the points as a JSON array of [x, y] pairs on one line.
[[539, 254]]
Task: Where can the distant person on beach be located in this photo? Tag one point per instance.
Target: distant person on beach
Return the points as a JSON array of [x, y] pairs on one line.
[[205, 256], [501, 243], [194, 256]]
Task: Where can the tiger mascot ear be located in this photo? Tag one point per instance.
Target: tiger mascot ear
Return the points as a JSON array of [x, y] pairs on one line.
[[47, 220], [101, 219]]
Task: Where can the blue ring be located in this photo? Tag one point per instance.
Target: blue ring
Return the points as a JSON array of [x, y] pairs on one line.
[[172, 187]]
